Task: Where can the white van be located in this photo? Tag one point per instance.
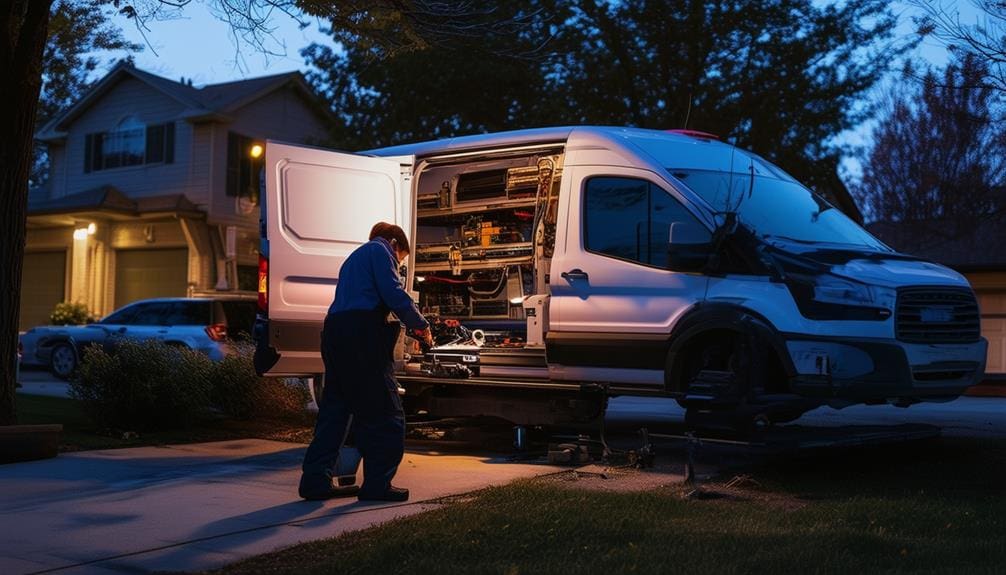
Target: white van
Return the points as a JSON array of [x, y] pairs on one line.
[[565, 265]]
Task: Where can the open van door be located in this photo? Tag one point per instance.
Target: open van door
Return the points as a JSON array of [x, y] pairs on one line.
[[317, 208]]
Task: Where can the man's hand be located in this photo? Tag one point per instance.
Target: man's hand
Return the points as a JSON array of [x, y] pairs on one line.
[[425, 335]]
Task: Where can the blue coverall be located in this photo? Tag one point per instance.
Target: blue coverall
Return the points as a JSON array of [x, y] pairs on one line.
[[361, 394]]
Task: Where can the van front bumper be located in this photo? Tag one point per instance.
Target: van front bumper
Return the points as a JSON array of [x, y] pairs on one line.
[[883, 370]]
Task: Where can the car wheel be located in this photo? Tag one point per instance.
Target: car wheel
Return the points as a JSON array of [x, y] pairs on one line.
[[63, 362]]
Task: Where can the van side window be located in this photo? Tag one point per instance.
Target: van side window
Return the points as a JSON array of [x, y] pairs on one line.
[[630, 219]]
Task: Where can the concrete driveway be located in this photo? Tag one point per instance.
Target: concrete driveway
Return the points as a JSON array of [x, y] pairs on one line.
[[196, 507], [37, 381]]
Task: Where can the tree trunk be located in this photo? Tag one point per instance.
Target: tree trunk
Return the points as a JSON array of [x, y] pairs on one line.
[[24, 24]]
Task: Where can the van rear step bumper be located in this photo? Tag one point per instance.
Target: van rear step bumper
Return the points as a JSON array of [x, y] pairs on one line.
[[413, 381]]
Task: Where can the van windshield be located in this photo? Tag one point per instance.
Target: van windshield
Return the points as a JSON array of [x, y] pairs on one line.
[[777, 209]]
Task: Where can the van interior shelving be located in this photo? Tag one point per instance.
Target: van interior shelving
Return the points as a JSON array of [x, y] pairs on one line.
[[484, 236]]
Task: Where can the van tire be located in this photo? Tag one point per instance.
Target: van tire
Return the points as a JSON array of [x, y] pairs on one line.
[[719, 368]]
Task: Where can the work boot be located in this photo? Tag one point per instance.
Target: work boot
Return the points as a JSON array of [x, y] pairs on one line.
[[331, 493], [392, 494], [319, 487]]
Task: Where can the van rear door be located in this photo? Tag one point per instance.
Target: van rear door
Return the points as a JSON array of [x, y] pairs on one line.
[[319, 206]]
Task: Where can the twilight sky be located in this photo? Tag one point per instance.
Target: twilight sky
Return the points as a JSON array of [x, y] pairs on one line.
[[199, 46]]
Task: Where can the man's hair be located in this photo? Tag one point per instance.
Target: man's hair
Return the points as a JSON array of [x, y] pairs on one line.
[[391, 232]]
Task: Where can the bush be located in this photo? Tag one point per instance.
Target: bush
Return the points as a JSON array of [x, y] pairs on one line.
[[240, 393], [148, 385], [144, 385], [66, 313]]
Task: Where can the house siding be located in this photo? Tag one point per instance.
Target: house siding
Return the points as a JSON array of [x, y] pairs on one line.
[[282, 115], [130, 97]]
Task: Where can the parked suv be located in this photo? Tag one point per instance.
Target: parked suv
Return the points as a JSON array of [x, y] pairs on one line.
[[203, 324]]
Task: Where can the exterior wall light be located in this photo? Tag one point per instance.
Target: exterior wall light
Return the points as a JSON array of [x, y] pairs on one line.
[[256, 151]]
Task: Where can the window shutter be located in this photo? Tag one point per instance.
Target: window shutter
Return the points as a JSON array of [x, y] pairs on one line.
[[88, 145], [233, 163], [97, 152], [155, 144], [169, 143]]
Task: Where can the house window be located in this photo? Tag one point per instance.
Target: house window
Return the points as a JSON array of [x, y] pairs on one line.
[[242, 169], [131, 143]]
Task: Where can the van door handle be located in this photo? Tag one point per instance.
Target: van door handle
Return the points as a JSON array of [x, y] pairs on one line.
[[576, 274]]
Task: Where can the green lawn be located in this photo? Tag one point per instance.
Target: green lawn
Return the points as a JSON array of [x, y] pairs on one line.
[[80, 434], [933, 507]]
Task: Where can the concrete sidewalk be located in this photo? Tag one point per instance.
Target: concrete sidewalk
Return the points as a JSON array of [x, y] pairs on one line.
[[200, 506]]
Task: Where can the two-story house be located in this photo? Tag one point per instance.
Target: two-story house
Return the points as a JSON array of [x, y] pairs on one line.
[[153, 188]]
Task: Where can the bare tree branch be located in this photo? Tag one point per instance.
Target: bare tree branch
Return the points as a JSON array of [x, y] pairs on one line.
[[986, 37]]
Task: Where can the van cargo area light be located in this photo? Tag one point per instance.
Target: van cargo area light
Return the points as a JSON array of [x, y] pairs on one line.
[[80, 234]]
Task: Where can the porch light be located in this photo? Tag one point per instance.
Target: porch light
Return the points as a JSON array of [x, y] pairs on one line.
[[256, 151]]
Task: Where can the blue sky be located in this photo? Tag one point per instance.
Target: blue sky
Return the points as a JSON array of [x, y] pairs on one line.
[[198, 45]]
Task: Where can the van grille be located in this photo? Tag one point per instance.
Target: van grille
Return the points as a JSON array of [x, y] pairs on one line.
[[937, 315]]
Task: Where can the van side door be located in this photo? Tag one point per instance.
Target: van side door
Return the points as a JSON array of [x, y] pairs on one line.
[[614, 300], [319, 207]]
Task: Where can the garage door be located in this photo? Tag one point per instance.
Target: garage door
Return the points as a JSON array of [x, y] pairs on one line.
[[141, 274], [43, 285], [993, 306]]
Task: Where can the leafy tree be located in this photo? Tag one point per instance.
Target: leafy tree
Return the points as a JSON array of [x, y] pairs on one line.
[[25, 23], [490, 83], [939, 151], [782, 77], [78, 30]]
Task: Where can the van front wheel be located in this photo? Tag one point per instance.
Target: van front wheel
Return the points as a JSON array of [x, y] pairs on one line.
[[717, 370]]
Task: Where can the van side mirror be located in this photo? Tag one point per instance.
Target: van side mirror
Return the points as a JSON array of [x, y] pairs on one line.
[[690, 247]]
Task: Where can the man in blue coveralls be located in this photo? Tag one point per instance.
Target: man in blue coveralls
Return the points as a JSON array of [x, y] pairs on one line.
[[361, 394]]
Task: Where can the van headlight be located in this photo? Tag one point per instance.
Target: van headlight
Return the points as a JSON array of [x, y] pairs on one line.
[[833, 290], [830, 297]]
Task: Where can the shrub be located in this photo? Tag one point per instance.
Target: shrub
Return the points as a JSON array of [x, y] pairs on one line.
[[66, 313], [144, 385], [240, 393]]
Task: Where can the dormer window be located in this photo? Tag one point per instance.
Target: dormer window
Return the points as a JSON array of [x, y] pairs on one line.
[[125, 145], [130, 143]]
